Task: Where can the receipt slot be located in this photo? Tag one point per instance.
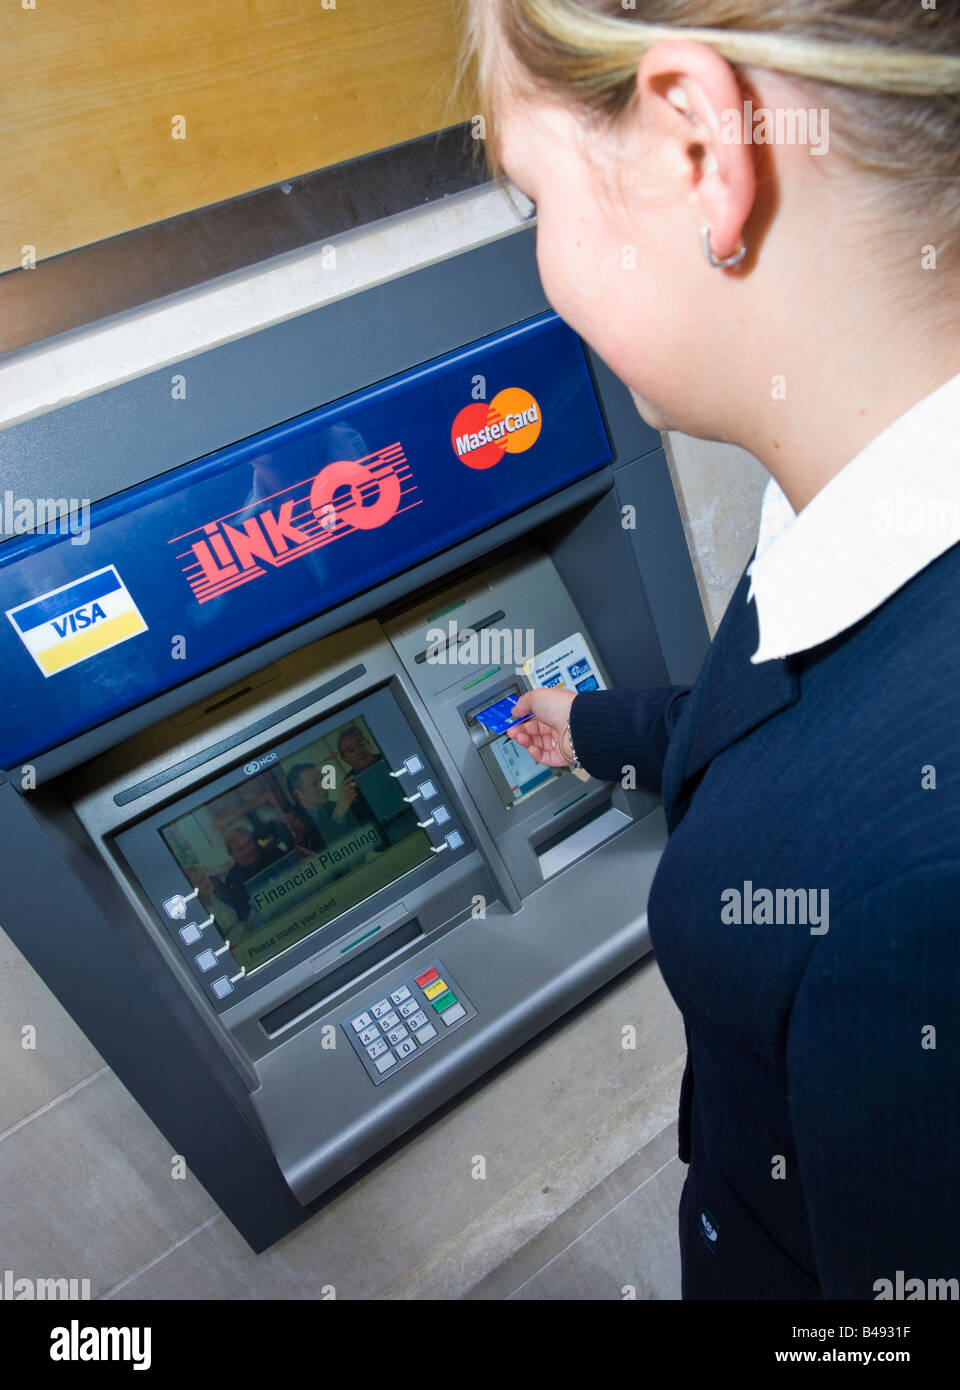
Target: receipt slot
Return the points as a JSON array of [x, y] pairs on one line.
[[265, 835]]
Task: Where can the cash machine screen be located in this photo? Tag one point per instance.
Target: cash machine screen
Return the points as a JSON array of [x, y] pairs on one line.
[[285, 852]]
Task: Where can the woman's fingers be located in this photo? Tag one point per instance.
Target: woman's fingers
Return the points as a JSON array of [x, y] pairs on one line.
[[540, 735], [549, 705], [540, 740], [524, 704]]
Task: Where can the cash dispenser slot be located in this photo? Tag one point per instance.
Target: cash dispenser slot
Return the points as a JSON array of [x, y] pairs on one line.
[[295, 1009], [565, 847]]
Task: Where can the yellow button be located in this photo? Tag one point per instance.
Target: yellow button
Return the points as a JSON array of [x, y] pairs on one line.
[[436, 988]]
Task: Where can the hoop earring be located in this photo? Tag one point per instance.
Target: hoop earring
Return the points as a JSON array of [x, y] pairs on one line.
[[735, 259]]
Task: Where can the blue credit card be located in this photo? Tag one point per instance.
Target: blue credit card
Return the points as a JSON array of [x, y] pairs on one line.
[[497, 716]]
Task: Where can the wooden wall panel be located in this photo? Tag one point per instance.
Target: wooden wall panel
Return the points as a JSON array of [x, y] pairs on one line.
[[267, 89]]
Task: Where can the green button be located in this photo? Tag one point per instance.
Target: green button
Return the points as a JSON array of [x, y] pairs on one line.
[[444, 1001]]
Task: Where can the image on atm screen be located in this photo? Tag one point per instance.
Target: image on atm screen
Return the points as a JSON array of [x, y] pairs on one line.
[[288, 850]]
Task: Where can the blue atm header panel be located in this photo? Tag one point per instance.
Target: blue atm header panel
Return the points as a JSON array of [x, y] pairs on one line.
[[185, 571]]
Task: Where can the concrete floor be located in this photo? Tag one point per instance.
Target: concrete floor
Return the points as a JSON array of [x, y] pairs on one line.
[[579, 1198]]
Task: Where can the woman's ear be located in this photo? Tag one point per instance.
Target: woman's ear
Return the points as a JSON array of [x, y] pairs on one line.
[[691, 97]]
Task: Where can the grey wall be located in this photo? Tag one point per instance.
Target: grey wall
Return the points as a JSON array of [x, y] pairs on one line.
[[719, 488]]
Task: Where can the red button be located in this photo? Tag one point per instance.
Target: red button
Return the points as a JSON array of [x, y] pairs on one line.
[[427, 976]]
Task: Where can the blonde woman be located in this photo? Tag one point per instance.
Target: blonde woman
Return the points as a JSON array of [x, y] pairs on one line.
[[796, 295]]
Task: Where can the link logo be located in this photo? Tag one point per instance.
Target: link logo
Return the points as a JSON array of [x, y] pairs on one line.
[[484, 431], [344, 497]]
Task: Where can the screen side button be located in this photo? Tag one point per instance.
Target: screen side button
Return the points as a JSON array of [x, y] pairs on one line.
[[222, 987]]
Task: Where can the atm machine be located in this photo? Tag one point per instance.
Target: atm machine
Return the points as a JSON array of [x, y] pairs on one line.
[[260, 833]]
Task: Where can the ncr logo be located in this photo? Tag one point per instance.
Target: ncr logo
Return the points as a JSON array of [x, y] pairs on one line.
[[509, 424]]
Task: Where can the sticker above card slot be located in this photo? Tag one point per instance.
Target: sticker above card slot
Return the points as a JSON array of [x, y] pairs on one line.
[[496, 717]]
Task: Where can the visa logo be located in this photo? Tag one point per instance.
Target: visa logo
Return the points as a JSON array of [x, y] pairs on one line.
[[77, 621]]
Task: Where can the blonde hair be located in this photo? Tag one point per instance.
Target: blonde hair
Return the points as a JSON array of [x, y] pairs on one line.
[[891, 68]]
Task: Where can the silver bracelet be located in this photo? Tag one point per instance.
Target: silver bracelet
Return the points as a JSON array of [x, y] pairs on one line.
[[572, 762]]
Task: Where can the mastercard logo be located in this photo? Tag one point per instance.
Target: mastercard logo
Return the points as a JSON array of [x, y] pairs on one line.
[[486, 430]]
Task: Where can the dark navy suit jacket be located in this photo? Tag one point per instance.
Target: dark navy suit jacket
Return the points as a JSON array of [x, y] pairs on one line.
[[820, 1109]]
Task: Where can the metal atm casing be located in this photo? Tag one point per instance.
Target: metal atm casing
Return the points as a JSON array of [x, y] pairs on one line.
[[292, 1133]]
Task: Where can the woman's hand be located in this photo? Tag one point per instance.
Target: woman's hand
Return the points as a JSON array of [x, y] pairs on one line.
[[348, 795], [540, 736]]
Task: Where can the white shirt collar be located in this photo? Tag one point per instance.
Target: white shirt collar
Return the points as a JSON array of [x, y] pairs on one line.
[[881, 520]]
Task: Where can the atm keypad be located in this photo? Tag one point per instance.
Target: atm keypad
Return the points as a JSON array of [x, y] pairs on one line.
[[388, 1032]]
